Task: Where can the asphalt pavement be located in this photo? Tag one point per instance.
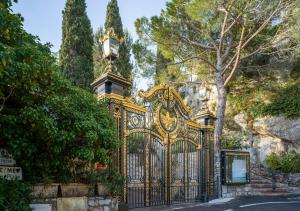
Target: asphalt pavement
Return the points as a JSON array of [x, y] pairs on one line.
[[250, 203]]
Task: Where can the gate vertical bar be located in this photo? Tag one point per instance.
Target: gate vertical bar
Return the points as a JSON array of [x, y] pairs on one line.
[[185, 167], [169, 166], [124, 157], [147, 165], [147, 142]]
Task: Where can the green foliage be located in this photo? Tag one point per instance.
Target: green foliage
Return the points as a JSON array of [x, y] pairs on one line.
[[64, 129], [8, 3], [273, 162], [236, 141], [231, 143], [76, 53], [14, 195], [123, 63], [53, 129], [99, 62], [154, 64], [265, 98], [112, 179], [190, 30], [247, 95], [285, 162], [286, 102]]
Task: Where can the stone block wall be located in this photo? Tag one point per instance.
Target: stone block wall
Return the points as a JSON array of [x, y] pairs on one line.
[[59, 204], [102, 204], [73, 197], [229, 191]]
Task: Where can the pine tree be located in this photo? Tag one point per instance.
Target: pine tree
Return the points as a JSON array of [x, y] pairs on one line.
[[76, 53], [161, 67], [113, 20]]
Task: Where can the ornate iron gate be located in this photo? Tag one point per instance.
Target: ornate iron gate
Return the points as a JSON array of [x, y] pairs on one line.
[[165, 157]]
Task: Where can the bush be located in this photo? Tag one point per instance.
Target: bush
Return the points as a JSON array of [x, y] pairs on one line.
[[273, 162], [112, 179], [235, 142], [285, 162], [232, 143], [286, 102], [53, 129], [14, 195]]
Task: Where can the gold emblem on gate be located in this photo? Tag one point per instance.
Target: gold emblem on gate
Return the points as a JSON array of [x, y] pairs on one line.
[[168, 121]]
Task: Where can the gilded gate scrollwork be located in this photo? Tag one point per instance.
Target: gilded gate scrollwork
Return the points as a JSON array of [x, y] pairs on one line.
[[165, 157]]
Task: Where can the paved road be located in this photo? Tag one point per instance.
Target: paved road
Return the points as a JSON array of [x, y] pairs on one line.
[[254, 203]]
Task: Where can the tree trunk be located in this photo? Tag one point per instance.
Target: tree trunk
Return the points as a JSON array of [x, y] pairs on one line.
[[221, 106], [219, 123]]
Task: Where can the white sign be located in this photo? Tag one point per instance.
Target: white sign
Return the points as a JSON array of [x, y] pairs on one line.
[[41, 207], [239, 171], [7, 162], [6, 158], [10, 173]]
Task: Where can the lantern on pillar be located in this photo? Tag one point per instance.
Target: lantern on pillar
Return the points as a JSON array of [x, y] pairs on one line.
[[111, 44]]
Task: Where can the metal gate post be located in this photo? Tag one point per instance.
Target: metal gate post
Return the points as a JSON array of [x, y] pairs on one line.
[[169, 170]]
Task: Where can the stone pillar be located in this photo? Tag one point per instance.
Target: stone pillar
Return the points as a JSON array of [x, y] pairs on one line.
[[110, 84]]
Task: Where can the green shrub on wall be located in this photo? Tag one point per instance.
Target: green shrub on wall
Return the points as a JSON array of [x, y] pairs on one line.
[[14, 195], [260, 99], [231, 143], [273, 162], [235, 141], [286, 102], [285, 162], [111, 178]]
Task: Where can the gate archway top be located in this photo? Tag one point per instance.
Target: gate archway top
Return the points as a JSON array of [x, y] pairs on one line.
[[172, 92]]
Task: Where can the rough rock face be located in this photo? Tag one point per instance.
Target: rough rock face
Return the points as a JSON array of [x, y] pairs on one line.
[[240, 119], [271, 134], [285, 129]]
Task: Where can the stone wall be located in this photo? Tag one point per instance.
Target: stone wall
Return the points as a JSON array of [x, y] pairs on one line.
[[281, 184], [293, 180], [79, 197], [229, 191], [102, 204]]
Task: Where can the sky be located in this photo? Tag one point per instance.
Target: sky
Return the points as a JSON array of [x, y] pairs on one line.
[[44, 17]]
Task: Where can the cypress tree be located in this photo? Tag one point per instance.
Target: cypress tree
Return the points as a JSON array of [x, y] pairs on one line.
[[76, 53], [113, 20]]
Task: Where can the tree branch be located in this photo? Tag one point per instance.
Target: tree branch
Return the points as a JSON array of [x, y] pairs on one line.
[[11, 90], [262, 26], [223, 29], [192, 58], [188, 41], [228, 48], [251, 37], [237, 60], [233, 23]]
